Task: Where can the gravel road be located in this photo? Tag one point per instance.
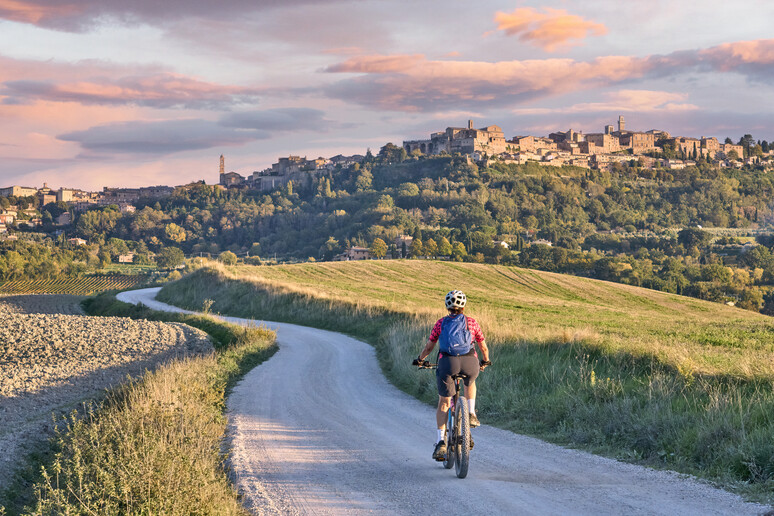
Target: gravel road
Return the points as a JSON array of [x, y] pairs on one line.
[[317, 429], [50, 362]]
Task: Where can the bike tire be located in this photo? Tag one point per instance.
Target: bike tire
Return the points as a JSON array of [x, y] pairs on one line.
[[462, 445], [448, 462]]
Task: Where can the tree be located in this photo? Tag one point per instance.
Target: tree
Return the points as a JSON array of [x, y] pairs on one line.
[[444, 247], [174, 232], [391, 153], [227, 258], [364, 180], [458, 251], [747, 141], [408, 190], [417, 249], [732, 155], [431, 248], [693, 237], [170, 257], [378, 248]]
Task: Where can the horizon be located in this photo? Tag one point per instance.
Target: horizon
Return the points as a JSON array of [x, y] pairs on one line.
[[98, 93]]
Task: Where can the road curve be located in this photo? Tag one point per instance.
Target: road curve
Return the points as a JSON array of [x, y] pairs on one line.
[[317, 429]]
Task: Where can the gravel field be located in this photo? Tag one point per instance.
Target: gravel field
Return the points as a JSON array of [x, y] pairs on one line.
[[52, 359]]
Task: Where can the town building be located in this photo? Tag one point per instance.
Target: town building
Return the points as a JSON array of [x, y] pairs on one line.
[[18, 191], [489, 140]]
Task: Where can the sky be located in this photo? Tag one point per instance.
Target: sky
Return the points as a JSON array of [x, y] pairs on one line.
[[119, 93]]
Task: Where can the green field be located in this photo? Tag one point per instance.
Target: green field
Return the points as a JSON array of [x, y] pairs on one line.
[[641, 375], [516, 304], [83, 286]]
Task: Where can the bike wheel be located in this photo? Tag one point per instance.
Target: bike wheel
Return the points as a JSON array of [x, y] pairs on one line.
[[448, 463], [462, 438]]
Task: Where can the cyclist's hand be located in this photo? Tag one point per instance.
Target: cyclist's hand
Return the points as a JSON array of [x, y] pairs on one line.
[[417, 362], [483, 364]]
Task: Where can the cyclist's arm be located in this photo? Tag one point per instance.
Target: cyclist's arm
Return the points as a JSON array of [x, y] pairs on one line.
[[484, 351], [428, 349]]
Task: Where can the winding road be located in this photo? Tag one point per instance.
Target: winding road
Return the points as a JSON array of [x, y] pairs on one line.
[[317, 429]]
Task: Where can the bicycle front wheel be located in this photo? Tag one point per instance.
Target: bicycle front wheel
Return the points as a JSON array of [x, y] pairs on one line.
[[462, 438]]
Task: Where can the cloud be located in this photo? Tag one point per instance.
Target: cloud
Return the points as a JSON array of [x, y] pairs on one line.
[[159, 137], [281, 119], [80, 15], [164, 90], [623, 101], [171, 136], [415, 83], [550, 29]]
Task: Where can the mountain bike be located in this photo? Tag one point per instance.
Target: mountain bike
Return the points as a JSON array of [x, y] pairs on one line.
[[457, 429]]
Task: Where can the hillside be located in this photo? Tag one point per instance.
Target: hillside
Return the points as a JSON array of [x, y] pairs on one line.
[[692, 231], [643, 376]]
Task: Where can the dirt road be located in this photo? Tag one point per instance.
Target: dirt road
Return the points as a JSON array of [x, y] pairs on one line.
[[317, 429]]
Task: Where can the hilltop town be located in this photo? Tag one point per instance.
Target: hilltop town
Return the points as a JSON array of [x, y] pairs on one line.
[[648, 149], [651, 149]]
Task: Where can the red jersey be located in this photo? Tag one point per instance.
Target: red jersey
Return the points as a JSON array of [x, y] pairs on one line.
[[473, 328]]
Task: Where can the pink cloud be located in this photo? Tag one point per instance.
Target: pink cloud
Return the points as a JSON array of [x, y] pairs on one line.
[[29, 12], [550, 29], [24, 82], [412, 82], [415, 83], [623, 101]]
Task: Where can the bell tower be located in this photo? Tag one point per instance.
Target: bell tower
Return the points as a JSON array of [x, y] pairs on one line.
[[222, 165]]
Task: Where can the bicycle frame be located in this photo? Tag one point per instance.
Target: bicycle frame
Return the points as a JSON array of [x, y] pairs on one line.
[[457, 430]]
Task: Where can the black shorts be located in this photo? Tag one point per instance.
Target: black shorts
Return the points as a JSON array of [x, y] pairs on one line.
[[450, 365]]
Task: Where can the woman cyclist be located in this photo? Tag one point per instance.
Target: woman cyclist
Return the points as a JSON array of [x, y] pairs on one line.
[[457, 334]]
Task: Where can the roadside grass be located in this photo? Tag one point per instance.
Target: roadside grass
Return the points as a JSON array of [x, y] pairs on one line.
[[647, 377], [153, 445]]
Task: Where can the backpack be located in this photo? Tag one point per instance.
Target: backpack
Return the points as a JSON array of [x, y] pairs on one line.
[[455, 337]]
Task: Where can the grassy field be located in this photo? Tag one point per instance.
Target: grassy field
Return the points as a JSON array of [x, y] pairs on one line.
[[645, 376], [83, 286], [153, 446]]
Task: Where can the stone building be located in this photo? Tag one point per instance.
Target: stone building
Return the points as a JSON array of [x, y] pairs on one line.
[[603, 143], [639, 143], [18, 191], [489, 140]]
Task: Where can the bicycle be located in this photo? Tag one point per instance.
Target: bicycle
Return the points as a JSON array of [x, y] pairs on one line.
[[457, 428]]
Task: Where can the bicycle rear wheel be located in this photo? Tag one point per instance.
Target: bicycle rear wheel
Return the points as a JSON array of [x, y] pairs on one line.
[[448, 463], [462, 438]]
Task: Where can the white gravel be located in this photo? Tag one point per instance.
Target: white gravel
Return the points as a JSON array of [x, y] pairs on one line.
[[50, 363], [317, 429]]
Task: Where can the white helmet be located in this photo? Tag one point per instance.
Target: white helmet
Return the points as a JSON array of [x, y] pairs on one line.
[[456, 299]]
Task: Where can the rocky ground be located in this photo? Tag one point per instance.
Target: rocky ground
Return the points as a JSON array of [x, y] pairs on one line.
[[52, 358]]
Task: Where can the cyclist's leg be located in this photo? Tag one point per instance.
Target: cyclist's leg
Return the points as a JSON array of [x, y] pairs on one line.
[[471, 368], [440, 413], [445, 385]]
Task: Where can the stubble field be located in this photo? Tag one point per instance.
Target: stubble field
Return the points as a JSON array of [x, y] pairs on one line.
[[52, 357]]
